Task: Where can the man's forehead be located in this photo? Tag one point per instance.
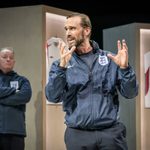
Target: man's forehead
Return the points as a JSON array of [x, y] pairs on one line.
[[6, 52], [73, 21]]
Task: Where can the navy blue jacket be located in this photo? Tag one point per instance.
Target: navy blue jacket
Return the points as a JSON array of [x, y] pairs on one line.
[[13, 103], [90, 95]]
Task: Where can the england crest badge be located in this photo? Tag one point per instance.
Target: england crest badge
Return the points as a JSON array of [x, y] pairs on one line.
[[103, 60]]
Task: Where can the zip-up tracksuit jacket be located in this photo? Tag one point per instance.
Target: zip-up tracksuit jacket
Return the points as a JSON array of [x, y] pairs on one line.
[[90, 95], [15, 92]]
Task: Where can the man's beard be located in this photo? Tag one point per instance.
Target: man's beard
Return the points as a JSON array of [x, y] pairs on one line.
[[77, 43]]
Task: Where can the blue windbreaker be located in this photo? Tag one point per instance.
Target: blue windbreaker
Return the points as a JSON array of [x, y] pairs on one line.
[[13, 103], [90, 95]]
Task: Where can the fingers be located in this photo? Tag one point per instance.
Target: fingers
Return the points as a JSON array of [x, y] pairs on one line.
[[119, 45], [69, 51], [72, 49], [64, 51], [62, 47], [111, 56], [122, 45]]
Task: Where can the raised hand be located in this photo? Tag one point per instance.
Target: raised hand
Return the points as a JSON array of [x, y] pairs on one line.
[[121, 59], [65, 53]]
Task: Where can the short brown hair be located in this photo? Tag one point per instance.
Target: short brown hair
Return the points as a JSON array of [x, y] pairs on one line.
[[85, 20]]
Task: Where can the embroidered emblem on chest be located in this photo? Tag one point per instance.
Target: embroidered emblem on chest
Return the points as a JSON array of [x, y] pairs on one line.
[[103, 60], [14, 84]]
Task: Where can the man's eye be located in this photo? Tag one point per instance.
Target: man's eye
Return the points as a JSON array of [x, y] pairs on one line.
[[73, 28]]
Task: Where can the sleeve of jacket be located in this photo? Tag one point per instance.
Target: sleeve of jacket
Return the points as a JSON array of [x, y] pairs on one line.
[[55, 87], [128, 85], [20, 96], [6, 91]]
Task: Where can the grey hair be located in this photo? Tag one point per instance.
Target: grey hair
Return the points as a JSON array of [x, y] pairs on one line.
[[8, 48]]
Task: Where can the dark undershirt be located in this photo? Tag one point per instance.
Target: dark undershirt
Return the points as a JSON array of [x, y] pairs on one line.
[[88, 58]]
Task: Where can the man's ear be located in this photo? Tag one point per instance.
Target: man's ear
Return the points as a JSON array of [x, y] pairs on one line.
[[87, 31]]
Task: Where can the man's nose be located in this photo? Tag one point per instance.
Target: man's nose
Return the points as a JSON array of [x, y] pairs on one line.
[[8, 58], [68, 32]]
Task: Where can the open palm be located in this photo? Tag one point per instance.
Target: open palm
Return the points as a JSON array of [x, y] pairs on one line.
[[121, 59]]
